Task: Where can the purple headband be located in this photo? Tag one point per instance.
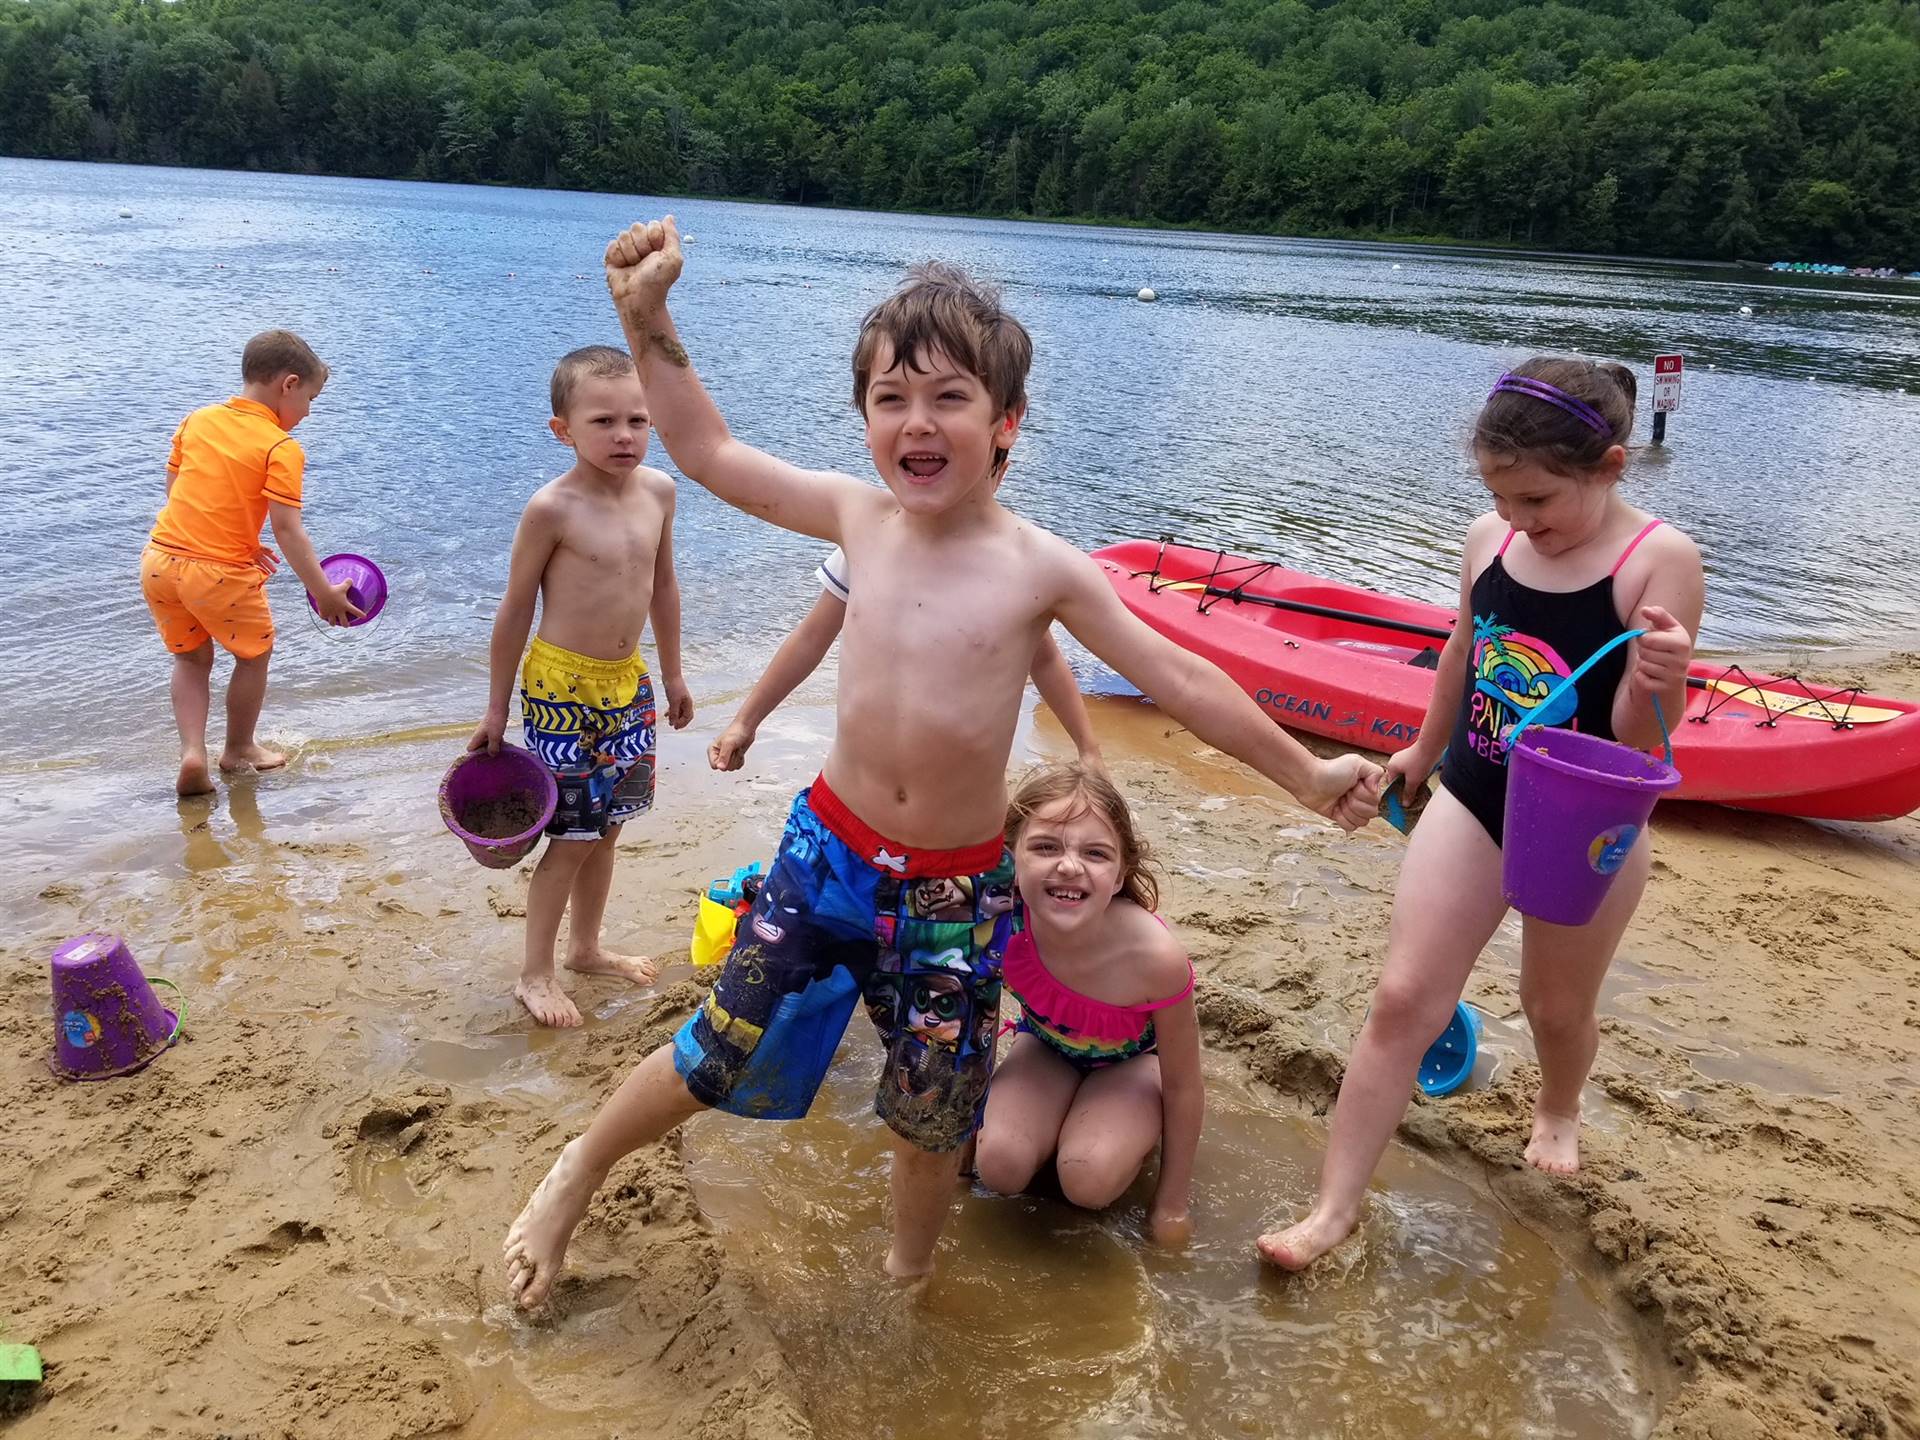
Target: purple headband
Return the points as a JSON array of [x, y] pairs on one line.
[[1540, 390]]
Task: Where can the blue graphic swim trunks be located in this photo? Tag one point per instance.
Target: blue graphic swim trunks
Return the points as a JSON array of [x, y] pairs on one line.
[[592, 723], [845, 914]]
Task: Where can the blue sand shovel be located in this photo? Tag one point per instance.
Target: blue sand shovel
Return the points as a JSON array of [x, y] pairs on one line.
[[1449, 1060], [1401, 814]]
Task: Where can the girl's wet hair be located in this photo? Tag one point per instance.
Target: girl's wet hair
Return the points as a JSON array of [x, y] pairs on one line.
[[1043, 787], [1520, 426]]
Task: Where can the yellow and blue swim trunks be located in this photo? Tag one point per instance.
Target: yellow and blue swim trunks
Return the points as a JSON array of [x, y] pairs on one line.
[[591, 722]]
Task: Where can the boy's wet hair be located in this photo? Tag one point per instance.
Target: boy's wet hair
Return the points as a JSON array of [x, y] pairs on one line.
[[1041, 788], [273, 353], [1521, 427], [589, 362], [941, 307]]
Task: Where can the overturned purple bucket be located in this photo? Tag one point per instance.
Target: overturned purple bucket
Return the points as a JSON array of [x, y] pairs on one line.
[[366, 586], [106, 1019], [481, 791]]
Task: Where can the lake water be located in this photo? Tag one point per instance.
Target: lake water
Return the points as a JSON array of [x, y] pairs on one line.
[[1307, 402]]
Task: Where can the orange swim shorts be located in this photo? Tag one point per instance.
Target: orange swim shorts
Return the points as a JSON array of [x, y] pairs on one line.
[[194, 600]]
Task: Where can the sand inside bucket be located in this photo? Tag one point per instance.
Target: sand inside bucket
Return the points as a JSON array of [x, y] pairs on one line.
[[501, 818]]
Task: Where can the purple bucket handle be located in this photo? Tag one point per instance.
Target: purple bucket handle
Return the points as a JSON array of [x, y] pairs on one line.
[[1565, 838], [478, 774], [1545, 707], [367, 585]]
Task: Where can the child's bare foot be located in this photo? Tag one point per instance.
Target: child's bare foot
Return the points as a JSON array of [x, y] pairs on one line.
[[536, 1244], [1555, 1146], [257, 757], [911, 1279], [637, 968], [194, 777], [1298, 1246], [546, 1001]]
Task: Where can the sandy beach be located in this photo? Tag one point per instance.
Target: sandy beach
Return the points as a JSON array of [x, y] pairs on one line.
[[290, 1224]]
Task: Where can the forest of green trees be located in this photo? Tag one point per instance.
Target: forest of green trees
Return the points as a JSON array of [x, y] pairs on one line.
[[1732, 128]]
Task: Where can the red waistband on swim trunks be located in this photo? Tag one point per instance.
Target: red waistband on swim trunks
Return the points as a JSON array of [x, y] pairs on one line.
[[888, 855]]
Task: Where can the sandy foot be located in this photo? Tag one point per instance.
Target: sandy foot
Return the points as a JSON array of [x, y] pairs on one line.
[[638, 968], [1298, 1246], [547, 1002], [536, 1244], [194, 777], [257, 757], [1555, 1146], [913, 1284]]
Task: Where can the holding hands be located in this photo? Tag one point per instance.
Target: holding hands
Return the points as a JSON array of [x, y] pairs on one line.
[[1346, 789]]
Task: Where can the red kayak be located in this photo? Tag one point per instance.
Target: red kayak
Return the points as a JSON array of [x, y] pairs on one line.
[[1357, 666]]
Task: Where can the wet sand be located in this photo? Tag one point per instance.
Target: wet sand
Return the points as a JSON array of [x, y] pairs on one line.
[[289, 1225]]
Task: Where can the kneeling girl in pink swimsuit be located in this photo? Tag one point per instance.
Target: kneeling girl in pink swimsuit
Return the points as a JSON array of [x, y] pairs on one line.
[[1106, 1064]]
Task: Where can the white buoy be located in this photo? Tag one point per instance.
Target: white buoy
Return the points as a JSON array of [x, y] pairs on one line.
[[126, 214], [1396, 267], [686, 239], [1146, 293], [1746, 309]]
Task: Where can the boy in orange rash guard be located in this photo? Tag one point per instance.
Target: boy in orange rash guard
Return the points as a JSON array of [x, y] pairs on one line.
[[204, 573]]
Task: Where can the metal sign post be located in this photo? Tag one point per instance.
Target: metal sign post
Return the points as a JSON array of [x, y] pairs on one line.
[[1668, 371]]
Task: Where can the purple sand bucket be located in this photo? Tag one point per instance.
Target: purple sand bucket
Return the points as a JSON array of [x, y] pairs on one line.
[[106, 1018], [478, 779], [1575, 806], [366, 586]]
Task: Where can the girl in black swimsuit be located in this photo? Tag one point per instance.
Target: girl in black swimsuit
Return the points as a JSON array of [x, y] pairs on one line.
[[1563, 566]]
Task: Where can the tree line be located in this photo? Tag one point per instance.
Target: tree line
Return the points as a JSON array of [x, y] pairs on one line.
[[1729, 128]]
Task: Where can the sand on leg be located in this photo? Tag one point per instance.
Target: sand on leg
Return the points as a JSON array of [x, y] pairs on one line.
[[1445, 909], [553, 880], [586, 910], [1027, 1103], [649, 1103], [246, 694], [192, 691], [1561, 969], [921, 1185], [1113, 1127]]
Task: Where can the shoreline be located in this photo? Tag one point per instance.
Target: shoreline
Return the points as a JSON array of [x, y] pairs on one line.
[[290, 1224], [1362, 238]]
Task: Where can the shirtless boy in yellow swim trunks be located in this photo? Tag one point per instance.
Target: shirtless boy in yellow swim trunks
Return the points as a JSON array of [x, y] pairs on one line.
[[595, 549]]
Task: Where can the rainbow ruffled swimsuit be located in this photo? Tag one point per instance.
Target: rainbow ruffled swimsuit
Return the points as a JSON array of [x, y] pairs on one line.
[[1088, 1034]]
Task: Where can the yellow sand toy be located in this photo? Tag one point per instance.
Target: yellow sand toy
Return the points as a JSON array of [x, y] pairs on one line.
[[721, 907]]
